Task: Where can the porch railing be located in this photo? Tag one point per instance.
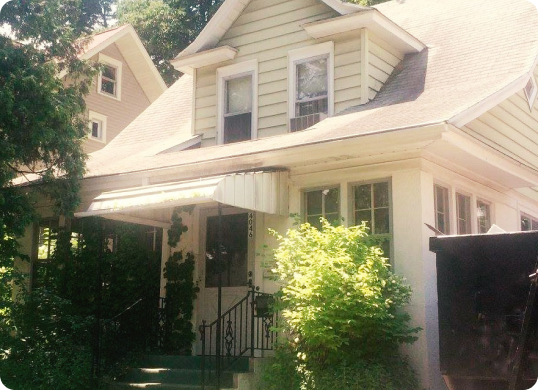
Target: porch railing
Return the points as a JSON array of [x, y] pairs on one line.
[[245, 328]]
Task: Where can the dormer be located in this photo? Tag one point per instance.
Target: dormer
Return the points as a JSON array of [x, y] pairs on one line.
[[270, 67]]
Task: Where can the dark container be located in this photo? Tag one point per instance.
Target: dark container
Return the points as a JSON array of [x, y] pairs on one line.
[[483, 285]]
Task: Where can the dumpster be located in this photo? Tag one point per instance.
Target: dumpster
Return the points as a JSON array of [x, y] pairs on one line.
[[487, 313]]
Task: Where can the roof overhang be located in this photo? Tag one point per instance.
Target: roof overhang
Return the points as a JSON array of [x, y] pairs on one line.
[[265, 192], [372, 20], [186, 64]]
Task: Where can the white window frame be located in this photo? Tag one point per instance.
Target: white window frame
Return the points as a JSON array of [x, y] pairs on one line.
[[532, 97], [448, 205], [101, 118], [230, 72], [109, 61], [529, 216], [301, 55], [472, 212], [305, 191]]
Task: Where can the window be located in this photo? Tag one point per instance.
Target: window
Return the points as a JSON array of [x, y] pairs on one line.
[[442, 210], [237, 97], [371, 204], [483, 215], [530, 91], [311, 85], [325, 203], [97, 126], [109, 80], [234, 261], [463, 205], [528, 223]]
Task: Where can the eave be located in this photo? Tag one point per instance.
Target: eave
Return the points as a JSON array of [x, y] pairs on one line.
[[372, 20], [205, 58]]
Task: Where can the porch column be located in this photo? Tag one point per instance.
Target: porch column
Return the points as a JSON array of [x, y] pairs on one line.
[[413, 206], [165, 254]]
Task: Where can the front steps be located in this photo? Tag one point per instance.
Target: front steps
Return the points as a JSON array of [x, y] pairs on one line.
[[180, 373]]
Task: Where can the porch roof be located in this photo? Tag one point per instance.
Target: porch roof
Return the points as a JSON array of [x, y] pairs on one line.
[[264, 191]]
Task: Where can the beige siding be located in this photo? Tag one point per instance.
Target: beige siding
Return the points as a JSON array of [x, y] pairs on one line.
[[511, 128], [382, 59], [119, 113], [266, 31]]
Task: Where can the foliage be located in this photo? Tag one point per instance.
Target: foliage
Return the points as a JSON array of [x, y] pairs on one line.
[[178, 228], [51, 349], [367, 3], [166, 27], [181, 291], [339, 294]]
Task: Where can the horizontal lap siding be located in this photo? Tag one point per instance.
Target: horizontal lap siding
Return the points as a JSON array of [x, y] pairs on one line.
[[511, 128], [267, 30], [382, 59], [119, 113]]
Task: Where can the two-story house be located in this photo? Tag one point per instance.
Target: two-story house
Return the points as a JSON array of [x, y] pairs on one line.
[[128, 83], [403, 114]]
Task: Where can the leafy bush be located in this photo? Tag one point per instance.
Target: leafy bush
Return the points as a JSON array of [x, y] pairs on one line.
[[342, 311]]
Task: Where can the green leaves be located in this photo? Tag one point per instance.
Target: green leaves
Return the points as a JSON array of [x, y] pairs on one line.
[[339, 296]]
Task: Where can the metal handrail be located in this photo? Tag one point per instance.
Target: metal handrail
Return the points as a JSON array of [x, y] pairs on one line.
[[245, 327]]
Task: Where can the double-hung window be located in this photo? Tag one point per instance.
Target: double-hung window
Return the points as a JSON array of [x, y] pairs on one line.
[[324, 202], [237, 94], [463, 206], [371, 204], [97, 123], [310, 85], [483, 216], [109, 80], [442, 209]]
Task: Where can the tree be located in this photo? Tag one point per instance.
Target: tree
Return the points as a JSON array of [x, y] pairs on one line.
[[166, 27]]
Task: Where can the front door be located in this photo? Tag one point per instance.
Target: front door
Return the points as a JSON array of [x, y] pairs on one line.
[[235, 265]]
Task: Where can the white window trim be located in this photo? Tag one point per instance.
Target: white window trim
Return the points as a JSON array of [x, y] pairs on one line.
[[326, 48], [103, 119], [450, 205], [532, 97], [233, 71], [106, 60]]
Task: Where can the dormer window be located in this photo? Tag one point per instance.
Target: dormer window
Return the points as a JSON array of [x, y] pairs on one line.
[[311, 77], [97, 123], [237, 95], [109, 79]]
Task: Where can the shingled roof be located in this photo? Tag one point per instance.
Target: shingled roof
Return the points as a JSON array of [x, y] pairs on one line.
[[475, 49]]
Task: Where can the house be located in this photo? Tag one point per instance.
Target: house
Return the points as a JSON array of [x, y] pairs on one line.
[[403, 114], [128, 83]]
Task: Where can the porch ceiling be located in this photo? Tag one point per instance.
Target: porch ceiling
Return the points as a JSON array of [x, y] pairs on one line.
[[266, 192]]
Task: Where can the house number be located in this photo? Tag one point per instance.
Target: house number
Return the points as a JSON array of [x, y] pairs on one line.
[[250, 225]]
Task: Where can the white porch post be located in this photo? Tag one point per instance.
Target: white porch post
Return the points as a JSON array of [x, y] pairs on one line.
[[414, 261], [165, 254]]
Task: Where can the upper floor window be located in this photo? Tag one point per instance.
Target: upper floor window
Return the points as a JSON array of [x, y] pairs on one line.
[[530, 91], [442, 210], [109, 79], [528, 223], [311, 85], [463, 206], [324, 203], [97, 126], [237, 102]]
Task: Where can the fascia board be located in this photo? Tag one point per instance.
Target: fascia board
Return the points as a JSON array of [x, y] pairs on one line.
[[372, 20], [205, 58]]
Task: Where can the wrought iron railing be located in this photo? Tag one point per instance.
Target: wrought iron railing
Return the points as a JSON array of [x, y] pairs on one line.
[[247, 327], [138, 328]]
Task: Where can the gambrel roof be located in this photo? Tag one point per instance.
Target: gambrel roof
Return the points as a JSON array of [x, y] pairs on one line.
[[477, 52]]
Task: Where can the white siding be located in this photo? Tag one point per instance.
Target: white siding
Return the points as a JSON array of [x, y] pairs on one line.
[[266, 31]]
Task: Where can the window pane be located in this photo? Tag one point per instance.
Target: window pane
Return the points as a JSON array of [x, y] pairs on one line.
[[109, 72], [381, 221], [381, 194], [239, 95], [234, 255], [441, 210], [333, 218], [108, 87], [484, 217], [534, 224], [96, 127], [464, 212], [312, 79], [314, 203], [363, 197], [314, 221], [332, 200], [525, 224], [364, 215], [237, 128]]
